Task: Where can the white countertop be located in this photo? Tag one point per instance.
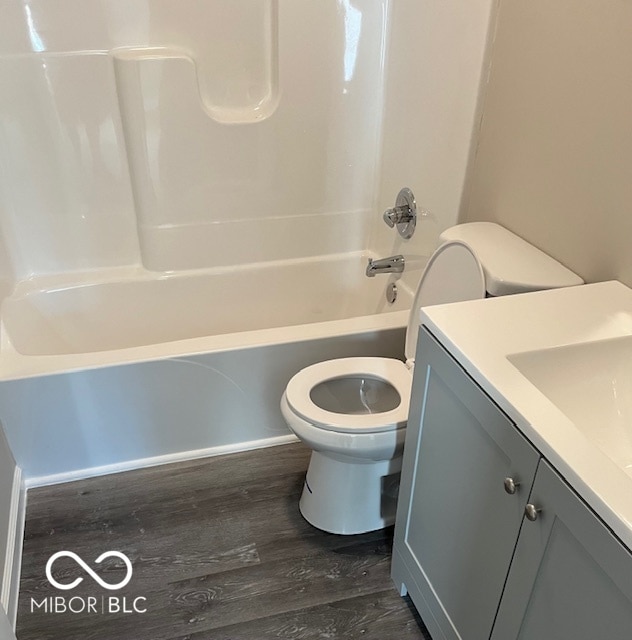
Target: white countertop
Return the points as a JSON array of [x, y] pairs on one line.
[[480, 334]]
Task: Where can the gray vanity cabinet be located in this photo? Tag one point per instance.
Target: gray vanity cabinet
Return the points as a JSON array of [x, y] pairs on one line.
[[475, 566], [456, 524], [570, 578]]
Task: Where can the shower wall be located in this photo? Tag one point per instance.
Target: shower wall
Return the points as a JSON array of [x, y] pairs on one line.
[[189, 134], [437, 60], [201, 133]]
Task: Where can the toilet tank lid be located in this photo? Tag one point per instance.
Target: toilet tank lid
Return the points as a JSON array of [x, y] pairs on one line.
[[510, 264]]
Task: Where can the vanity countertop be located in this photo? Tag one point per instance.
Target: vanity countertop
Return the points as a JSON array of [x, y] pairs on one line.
[[490, 337]]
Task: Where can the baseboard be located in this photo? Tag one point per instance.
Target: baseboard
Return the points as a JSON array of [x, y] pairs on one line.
[[142, 463], [13, 559]]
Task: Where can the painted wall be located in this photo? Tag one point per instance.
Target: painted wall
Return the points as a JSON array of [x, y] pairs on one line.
[[6, 632], [554, 161], [435, 60], [7, 475]]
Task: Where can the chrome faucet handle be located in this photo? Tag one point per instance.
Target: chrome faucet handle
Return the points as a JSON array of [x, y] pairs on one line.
[[397, 215], [404, 214], [387, 216]]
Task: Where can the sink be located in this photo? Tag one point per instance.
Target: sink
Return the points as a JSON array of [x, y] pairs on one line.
[[559, 364], [591, 383]]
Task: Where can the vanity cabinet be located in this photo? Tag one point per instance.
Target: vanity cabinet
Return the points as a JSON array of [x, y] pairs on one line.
[[570, 578], [456, 524], [474, 566]]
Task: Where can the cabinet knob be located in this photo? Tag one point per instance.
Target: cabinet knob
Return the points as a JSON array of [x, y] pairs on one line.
[[510, 485], [531, 511]]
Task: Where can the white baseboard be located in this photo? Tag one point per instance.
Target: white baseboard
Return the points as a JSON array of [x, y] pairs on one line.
[[142, 463], [13, 560]]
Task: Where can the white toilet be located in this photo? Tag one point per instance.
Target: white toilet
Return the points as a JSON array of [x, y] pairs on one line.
[[352, 412]]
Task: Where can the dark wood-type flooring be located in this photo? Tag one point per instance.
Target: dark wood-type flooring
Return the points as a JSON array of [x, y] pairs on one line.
[[219, 551]]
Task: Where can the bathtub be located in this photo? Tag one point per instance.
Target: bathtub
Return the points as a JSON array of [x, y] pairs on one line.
[[134, 368]]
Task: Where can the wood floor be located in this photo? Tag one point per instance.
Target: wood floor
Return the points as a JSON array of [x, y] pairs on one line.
[[219, 551]]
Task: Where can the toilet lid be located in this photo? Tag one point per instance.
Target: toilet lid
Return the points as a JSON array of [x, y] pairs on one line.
[[453, 274], [393, 372]]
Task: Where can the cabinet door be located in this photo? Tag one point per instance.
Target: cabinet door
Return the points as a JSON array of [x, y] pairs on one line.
[[570, 579], [456, 525]]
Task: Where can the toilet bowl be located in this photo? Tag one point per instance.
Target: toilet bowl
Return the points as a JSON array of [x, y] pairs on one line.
[[352, 412]]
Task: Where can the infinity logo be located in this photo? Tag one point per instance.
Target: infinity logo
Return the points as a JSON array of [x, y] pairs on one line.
[[81, 563]]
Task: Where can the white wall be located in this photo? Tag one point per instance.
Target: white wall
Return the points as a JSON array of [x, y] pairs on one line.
[[6, 632], [435, 60], [554, 162], [7, 525]]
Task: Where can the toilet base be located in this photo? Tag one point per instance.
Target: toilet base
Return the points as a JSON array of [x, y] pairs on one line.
[[350, 495]]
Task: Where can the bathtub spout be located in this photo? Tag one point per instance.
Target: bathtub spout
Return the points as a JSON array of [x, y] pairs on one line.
[[394, 264]]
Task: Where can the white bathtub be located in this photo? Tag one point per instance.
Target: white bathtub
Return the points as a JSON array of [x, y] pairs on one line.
[[109, 375]]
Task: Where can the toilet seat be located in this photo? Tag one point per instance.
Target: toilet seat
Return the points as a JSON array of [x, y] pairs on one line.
[[389, 370], [452, 262], [453, 274]]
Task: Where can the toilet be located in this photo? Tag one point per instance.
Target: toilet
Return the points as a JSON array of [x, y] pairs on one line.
[[352, 412]]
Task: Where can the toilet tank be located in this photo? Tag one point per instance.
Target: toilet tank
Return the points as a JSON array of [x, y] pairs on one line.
[[510, 264]]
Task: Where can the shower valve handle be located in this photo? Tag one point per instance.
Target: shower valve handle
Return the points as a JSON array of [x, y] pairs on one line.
[[404, 214], [398, 214]]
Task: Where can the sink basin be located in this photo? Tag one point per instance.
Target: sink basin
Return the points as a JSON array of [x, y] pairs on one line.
[[591, 383]]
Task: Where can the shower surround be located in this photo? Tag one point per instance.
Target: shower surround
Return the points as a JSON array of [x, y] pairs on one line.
[[189, 193]]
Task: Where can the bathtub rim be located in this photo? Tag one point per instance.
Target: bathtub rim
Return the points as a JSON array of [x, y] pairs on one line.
[[16, 366], [137, 272]]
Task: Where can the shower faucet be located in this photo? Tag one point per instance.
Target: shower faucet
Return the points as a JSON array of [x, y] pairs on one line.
[[404, 214], [394, 264]]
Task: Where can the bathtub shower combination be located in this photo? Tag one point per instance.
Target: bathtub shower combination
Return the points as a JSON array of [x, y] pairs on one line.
[[189, 197], [109, 375]]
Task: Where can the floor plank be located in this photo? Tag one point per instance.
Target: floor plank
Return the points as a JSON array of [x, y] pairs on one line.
[[219, 550]]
